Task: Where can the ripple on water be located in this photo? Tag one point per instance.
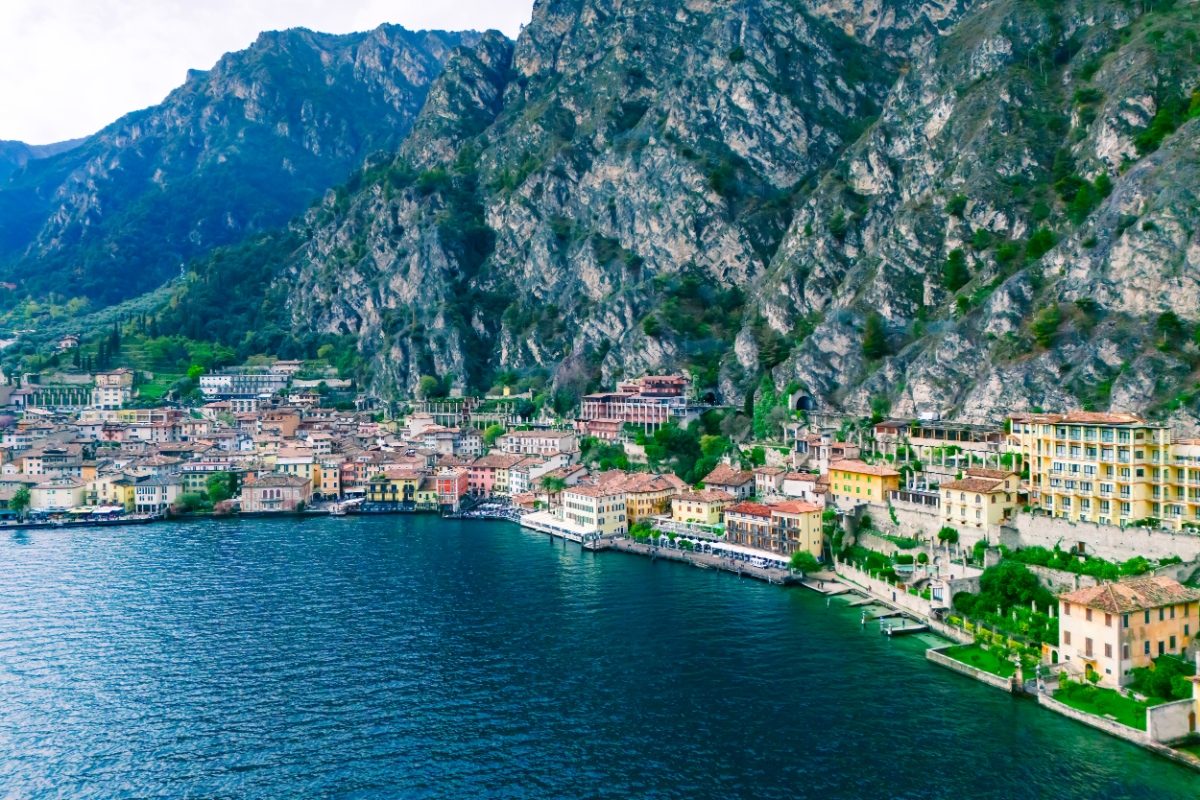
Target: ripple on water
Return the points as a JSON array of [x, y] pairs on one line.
[[411, 657]]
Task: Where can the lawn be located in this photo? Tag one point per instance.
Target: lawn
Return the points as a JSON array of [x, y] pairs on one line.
[[1104, 703], [987, 660]]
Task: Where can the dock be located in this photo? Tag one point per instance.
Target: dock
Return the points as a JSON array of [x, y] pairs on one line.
[[904, 629]]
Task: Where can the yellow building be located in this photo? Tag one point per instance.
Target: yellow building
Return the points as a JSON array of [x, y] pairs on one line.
[[852, 481], [706, 507], [595, 509], [797, 526], [981, 498], [113, 489], [1115, 628], [1112, 469], [646, 494], [328, 477], [396, 486]]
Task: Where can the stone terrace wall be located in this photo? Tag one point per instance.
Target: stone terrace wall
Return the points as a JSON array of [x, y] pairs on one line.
[[1105, 541], [1170, 721]]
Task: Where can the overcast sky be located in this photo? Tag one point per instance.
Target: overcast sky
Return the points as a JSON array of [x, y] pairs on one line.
[[70, 67]]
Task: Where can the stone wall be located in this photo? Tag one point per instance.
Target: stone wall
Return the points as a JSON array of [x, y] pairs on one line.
[[1107, 725], [937, 656], [1105, 541], [1059, 581], [1171, 721], [900, 598]]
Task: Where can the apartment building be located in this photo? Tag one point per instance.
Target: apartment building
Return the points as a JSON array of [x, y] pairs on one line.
[[595, 509], [1111, 469], [852, 481]]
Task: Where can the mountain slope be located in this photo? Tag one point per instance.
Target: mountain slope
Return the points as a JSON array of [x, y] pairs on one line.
[[903, 207], [240, 148], [14, 155]]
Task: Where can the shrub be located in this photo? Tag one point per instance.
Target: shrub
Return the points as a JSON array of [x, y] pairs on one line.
[[955, 273], [1045, 325], [874, 342]]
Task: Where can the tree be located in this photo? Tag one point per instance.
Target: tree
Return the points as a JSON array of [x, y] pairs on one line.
[[948, 535], [190, 502], [955, 274], [491, 434], [874, 342], [20, 501], [1045, 325], [221, 486], [428, 387], [804, 561], [553, 485]]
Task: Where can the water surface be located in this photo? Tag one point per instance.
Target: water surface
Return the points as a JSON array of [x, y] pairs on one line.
[[412, 657]]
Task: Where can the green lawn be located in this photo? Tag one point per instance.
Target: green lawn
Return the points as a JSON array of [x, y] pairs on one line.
[[986, 660], [1104, 703]]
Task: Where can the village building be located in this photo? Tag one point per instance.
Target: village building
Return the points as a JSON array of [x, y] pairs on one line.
[[1114, 628]]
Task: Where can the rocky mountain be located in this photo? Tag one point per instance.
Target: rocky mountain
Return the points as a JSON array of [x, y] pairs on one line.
[[240, 148], [14, 155], [961, 208]]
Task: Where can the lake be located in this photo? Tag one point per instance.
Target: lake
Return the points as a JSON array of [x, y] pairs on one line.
[[413, 657]]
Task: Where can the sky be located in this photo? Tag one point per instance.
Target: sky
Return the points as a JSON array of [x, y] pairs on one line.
[[70, 67]]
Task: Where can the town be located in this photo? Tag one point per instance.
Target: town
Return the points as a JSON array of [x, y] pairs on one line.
[[1058, 553]]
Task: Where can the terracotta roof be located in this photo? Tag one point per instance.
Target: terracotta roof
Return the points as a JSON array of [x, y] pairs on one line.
[[749, 509], [772, 471], [593, 491], [497, 460], [1133, 595], [795, 507], [994, 474], [706, 496], [1100, 418], [863, 468], [979, 485], [725, 475]]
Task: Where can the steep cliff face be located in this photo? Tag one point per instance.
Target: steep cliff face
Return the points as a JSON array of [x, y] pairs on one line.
[[240, 148], [904, 207], [633, 152], [1006, 220]]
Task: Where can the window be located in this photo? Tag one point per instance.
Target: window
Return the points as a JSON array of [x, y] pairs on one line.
[[1066, 609], [1125, 651], [1146, 647], [1066, 637], [1124, 620], [1108, 651], [1087, 647], [1147, 617], [1162, 648], [1108, 620], [1087, 614], [1172, 643]]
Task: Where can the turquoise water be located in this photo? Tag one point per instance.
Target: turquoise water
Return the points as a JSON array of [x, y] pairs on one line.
[[411, 657]]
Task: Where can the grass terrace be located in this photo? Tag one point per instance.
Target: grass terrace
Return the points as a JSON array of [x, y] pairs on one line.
[[1101, 702], [987, 660]]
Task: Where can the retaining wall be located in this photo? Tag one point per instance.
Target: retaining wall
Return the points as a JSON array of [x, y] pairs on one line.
[[1170, 721], [938, 656], [1105, 541], [1107, 725]]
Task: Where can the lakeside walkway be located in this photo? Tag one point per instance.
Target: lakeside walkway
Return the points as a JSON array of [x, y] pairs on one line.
[[706, 561]]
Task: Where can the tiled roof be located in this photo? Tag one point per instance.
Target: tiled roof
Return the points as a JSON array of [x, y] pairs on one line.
[[795, 507], [1133, 595], [706, 496], [979, 485], [749, 509], [725, 475], [994, 474], [863, 468]]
